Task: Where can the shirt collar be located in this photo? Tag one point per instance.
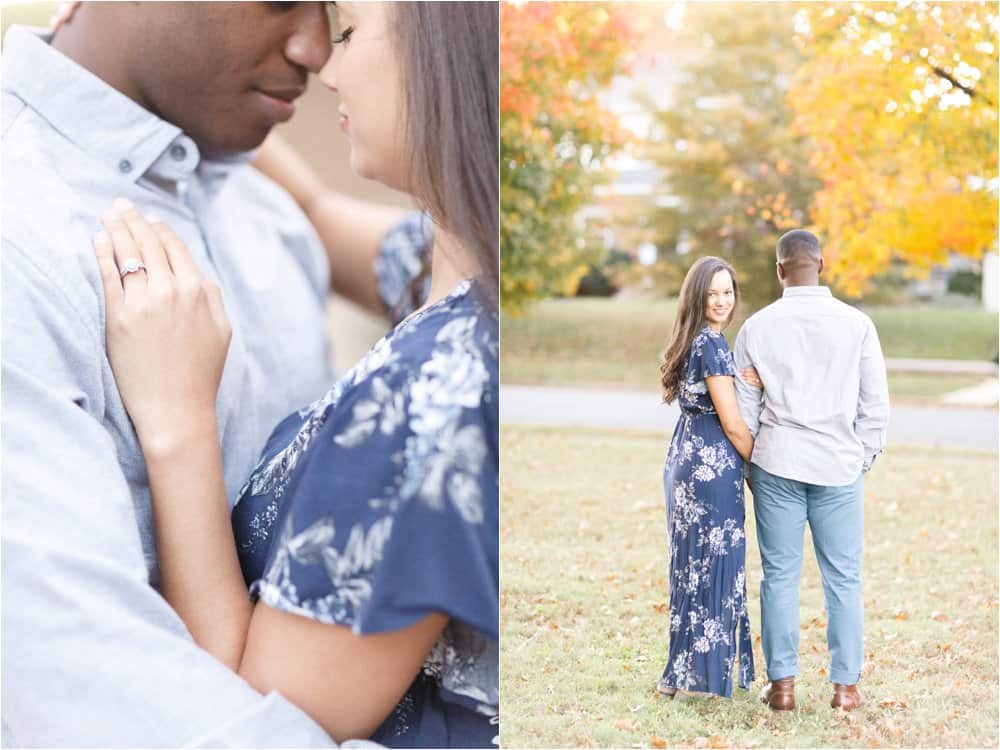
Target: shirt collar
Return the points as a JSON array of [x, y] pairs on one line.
[[807, 291], [98, 118]]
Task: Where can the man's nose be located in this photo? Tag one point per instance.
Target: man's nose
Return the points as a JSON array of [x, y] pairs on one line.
[[309, 43]]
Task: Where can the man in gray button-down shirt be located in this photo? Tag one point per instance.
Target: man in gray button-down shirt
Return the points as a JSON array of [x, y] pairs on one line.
[[92, 655], [818, 425]]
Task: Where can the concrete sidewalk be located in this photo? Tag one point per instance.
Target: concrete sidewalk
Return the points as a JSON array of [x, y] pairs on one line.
[[942, 366], [969, 429]]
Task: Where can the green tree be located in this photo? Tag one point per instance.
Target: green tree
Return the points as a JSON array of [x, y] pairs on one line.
[[741, 177]]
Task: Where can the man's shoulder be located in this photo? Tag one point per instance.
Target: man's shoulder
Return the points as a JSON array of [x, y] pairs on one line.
[[48, 215], [780, 309], [851, 313], [13, 107], [761, 317], [46, 212]]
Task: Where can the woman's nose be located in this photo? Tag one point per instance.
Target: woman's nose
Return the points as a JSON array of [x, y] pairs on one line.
[[328, 75]]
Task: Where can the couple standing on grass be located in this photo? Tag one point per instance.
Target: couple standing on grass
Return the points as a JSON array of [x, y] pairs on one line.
[[800, 413]]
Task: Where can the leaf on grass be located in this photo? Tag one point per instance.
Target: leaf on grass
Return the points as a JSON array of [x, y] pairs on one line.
[[939, 616], [901, 615], [893, 702], [625, 725], [892, 729], [657, 741]]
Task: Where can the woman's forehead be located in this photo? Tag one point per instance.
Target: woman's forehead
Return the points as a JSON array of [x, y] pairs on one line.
[[721, 279]]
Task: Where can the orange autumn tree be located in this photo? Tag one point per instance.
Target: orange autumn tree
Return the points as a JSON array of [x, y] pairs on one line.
[[900, 103], [554, 135]]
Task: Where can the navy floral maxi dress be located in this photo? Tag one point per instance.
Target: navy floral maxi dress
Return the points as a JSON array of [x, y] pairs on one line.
[[703, 483], [378, 504]]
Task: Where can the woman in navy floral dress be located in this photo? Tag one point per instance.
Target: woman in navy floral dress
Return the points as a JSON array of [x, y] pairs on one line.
[[363, 583], [703, 483], [378, 503]]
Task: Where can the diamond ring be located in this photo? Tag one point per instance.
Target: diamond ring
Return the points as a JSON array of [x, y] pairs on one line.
[[132, 265]]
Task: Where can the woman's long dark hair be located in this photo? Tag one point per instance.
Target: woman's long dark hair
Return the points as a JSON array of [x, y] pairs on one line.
[[449, 57], [690, 319]]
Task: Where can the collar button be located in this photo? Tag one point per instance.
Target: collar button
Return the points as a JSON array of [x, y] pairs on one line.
[[124, 166], [178, 152]]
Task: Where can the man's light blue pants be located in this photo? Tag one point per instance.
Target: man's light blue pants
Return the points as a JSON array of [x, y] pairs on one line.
[[836, 520]]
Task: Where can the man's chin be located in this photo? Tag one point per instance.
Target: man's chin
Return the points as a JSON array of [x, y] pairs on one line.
[[234, 146]]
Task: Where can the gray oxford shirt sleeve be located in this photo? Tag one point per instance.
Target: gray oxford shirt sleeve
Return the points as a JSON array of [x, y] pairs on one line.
[[100, 658], [872, 422], [749, 398]]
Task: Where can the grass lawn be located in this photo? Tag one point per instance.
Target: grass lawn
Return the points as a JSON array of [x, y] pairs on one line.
[[584, 593], [602, 341]]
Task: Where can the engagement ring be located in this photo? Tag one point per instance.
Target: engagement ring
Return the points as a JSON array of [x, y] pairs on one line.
[[131, 266]]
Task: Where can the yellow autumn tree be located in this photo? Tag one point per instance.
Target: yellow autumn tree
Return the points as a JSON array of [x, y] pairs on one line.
[[899, 101]]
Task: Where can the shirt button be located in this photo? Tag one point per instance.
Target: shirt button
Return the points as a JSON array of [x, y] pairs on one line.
[[178, 152], [125, 166]]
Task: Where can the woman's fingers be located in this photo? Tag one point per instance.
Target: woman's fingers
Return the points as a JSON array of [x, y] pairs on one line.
[[150, 247], [751, 377], [217, 309], [132, 237], [113, 292], [126, 251], [189, 275], [64, 12], [176, 251]]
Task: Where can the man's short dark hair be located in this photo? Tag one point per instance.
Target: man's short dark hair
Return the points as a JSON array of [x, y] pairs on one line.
[[797, 247]]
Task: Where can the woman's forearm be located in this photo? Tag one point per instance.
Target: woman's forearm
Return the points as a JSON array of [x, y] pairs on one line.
[[199, 568], [352, 231], [739, 435]]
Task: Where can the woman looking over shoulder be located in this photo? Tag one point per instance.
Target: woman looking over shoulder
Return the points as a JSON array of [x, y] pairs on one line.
[[367, 536], [703, 484]]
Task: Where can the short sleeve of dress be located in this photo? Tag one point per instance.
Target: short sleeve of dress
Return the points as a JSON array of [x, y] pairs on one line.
[[442, 553], [391, 510], [399, 261], [710, 355], [419, 534]]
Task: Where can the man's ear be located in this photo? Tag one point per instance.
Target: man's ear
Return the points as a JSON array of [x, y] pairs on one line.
[[820, 266], [780, 271]]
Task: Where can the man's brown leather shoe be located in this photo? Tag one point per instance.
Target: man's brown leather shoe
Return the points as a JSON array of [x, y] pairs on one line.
[[779, 694], [847, 697]]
